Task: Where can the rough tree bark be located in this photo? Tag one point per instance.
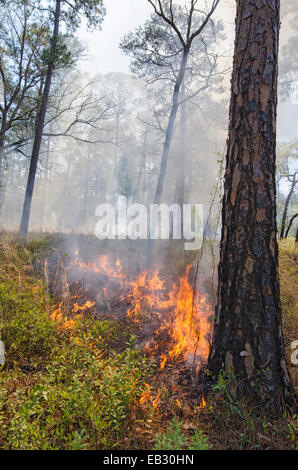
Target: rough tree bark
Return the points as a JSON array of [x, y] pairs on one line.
[[248, 334], [39, 127]]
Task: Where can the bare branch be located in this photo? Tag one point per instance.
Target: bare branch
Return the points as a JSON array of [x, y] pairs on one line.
[[205, 22], [170, 21]]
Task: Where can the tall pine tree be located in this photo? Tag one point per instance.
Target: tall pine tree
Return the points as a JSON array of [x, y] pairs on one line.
[[248, 336], [70, 13]]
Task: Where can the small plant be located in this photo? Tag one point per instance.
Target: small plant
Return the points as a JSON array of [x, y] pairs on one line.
[[199, 442], [226, 387], [293, 428], [173, 440], [27, 331], [176, 440]]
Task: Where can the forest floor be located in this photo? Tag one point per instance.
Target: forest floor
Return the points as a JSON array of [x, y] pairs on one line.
[[76, 379]]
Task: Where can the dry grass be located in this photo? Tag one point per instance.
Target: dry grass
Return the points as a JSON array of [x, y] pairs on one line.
[[288, 268], [15, 259]]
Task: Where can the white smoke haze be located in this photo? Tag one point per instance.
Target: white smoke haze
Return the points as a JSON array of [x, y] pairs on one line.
[[113, 118], [106, 127]]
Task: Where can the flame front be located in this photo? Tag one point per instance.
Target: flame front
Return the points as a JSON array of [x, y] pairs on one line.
[[182, 316]]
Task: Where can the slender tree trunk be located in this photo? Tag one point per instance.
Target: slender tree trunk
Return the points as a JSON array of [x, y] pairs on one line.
[[290, 225], [45, 186], [86, 191], [170, 128], [117, 136], [117, 154], [67, 218], [39, 127], [167, 143], [180, 163], [285, 212], [1, 177], [142, 166], [2, 158], [182, 154], [248, 336]]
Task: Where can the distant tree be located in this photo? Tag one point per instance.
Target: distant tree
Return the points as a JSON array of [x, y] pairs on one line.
[[248, 338], [292, 179], [288, 66], [286, 163], [23, 39], [70, 12], [168, 46], [290, 224]]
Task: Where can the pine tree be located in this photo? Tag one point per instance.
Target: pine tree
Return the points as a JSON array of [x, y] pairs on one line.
[[248, 334]]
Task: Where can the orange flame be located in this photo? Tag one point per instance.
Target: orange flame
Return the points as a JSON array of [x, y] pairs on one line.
[[147, 396], [203, 403], [184, 317], [69, 323]]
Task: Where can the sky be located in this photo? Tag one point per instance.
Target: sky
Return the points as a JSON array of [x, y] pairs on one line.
[[104, 55], [123, 16], [103, 46]]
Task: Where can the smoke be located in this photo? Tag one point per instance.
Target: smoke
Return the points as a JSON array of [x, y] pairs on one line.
[[105, 134]]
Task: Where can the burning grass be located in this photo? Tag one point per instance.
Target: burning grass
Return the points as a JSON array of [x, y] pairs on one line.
[[173, 319], [111, 360]]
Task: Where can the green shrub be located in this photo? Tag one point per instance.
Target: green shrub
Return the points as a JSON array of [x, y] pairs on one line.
[[174, 439], [75, 399], [106, 335], [27, 331], [77, 402]]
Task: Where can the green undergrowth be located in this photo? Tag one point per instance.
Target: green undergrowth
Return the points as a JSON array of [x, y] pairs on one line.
[[175, 439], [59, 388]]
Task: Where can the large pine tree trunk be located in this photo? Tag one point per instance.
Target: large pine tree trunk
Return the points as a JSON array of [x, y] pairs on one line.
[[248, 334], [39, 127]]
